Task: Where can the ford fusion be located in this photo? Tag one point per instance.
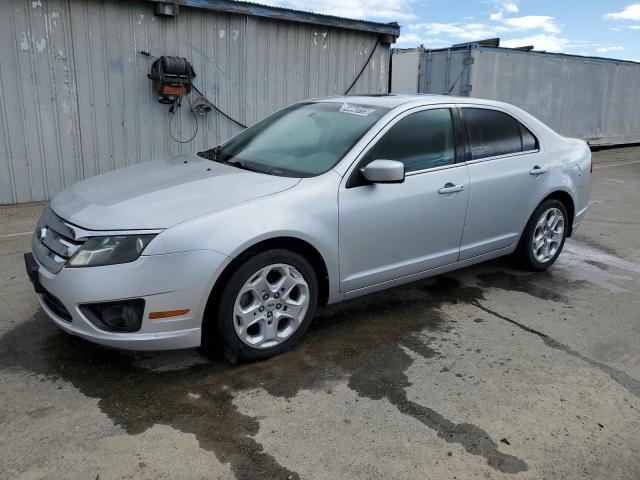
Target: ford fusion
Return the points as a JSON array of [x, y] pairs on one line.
[[233, 249]]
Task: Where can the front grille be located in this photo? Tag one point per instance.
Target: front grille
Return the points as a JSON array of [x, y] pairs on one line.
[[56, 306], [54, 241]]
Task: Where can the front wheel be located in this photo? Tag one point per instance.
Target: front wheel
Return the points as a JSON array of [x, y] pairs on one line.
[[266, 306], [544, 236]]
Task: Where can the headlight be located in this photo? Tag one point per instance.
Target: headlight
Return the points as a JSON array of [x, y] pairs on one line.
[[110, 250]]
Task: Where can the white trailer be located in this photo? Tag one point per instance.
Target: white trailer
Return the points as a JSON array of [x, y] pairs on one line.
[[596, 99]]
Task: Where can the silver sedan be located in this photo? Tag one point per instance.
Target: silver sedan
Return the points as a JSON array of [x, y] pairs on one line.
[[328, 199]]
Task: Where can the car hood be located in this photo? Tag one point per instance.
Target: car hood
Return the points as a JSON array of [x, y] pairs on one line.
[[161, 193]]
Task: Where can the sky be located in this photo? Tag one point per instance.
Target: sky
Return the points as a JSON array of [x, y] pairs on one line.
[[604, 28]]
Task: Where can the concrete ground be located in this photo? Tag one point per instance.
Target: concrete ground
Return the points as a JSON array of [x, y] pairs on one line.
[[485, 373]]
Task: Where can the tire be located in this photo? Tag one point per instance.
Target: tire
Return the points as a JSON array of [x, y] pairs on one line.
[[270, 325], [535, 257]]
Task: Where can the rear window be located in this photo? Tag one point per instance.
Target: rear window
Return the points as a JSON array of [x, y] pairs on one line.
[[494, 133]]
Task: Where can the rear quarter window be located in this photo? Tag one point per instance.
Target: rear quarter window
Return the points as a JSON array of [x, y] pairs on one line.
[[529, 140]]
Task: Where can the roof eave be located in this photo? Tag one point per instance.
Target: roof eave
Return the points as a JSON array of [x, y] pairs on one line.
[[279, 13]]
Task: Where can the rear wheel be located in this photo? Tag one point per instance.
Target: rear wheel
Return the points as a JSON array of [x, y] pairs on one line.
[[266, 306], [544, 236]]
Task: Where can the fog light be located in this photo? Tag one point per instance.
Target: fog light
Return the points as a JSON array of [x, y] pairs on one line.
[[120, 316]]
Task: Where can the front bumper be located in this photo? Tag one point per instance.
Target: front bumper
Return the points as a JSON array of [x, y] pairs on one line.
[[166, 282]]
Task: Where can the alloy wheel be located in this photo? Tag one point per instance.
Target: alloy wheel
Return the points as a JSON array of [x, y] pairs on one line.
[[270, 306], [548, 235]]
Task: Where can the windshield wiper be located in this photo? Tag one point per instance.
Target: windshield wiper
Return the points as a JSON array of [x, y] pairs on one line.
[[211, 154], [244, 165]]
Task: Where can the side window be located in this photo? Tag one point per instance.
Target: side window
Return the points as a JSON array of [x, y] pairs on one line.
[[420, 140], [495, 133]]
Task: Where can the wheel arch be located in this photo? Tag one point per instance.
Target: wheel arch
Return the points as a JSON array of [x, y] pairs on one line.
[[302, 247], [567, 200]]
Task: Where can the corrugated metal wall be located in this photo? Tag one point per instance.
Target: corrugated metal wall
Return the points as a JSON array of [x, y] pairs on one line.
[[75, 100], [597, 100]]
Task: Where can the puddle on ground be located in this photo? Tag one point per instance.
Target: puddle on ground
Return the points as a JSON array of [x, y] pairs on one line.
[[578, 264], [524, 283], [582, 262], [365, 341]]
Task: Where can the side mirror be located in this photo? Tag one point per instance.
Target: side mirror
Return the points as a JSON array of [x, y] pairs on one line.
[[384, 171]]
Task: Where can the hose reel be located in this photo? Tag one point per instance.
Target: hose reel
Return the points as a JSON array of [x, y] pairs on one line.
[[172, 78]]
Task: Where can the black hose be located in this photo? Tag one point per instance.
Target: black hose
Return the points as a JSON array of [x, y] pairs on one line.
[[217, 109], [363, 67]]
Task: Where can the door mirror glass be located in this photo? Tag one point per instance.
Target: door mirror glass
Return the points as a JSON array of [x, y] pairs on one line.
[[384, 171]]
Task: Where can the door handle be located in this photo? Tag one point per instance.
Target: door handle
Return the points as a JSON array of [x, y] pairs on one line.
[[535, 171], [451, 188]]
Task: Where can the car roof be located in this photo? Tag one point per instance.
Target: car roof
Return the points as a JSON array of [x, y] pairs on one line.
[[392, 100]]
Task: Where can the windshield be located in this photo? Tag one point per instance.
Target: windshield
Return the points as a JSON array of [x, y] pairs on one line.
[[300, 141]]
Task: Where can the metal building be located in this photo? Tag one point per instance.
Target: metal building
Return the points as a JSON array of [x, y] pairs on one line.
[[75, 100], [596, 99]]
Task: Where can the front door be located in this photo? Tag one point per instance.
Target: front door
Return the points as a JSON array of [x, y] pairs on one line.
[[388, 231]]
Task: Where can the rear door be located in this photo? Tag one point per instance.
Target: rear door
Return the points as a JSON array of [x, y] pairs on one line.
[[508, 177]]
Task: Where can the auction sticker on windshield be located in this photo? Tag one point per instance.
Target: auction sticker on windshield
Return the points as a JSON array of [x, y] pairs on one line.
[[356, 110]]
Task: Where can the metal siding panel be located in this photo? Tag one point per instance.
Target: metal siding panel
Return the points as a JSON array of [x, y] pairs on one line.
[[236, 71], [221, 65], [340, 61], [291, 66], [138, 93], [367, 47], [314, 71], [319, 61], [333, 65], [113, 24], [250, 85], [384, 72], [30, 174], [15, 181], [278, 64], [100, 77], [130, 73], [46, 173], [84, 69], [361, 54], [262, 72], [63, 110]]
